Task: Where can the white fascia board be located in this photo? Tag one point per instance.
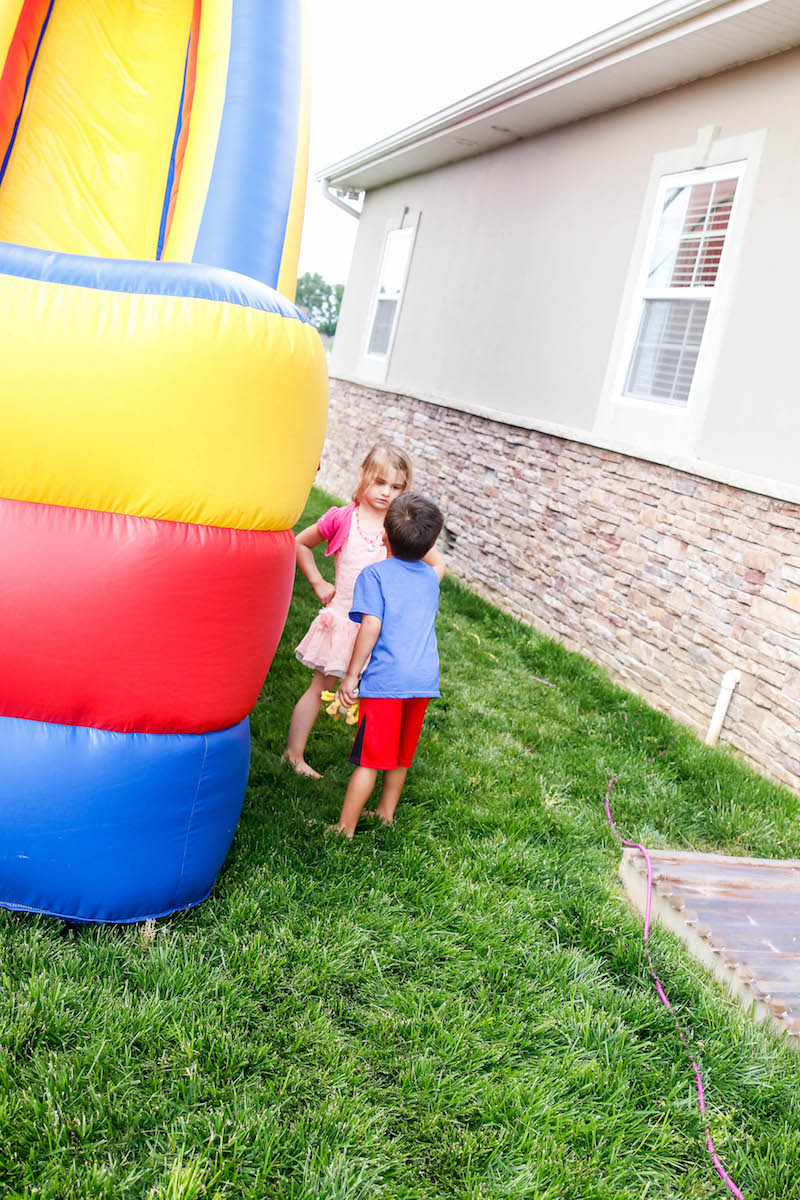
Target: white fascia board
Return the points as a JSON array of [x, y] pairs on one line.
[[658, 49]]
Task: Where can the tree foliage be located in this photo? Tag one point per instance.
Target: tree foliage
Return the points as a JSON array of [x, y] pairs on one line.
[[321, 301]]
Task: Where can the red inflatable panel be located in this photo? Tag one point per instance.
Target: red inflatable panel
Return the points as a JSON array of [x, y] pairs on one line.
[[174, 634]]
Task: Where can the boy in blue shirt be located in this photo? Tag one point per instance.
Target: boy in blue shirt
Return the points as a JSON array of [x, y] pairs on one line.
[[396, 602]]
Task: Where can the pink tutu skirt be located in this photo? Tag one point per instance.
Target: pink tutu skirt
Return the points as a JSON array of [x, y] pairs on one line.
[[329, 643]]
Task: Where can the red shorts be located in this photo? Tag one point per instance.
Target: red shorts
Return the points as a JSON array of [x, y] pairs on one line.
[[388, 732]]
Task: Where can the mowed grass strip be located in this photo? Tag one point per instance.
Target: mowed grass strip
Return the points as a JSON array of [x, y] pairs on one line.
[[458, 1006]]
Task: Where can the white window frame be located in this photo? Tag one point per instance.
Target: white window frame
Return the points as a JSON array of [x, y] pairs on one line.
[[652, 427], [708, 294], [374, 367]]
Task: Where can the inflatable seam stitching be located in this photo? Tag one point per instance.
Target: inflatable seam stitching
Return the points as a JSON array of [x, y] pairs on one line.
[[191, 817], [28, 78]]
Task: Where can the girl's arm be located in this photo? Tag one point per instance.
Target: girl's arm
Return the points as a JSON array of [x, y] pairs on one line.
[[364, 645], [304, 543], [434, 559]]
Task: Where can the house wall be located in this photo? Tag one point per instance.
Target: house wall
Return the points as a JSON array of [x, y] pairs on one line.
[[666, 579], [668, 569], [521, 257]]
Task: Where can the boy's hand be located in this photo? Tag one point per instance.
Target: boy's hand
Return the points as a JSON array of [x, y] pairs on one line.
[[347, 692], [324, 591]]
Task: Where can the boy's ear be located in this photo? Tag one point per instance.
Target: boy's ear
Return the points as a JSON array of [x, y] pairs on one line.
[[386, 541]]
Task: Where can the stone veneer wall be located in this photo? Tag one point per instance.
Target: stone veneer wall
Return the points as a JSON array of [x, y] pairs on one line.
[[666, 579]]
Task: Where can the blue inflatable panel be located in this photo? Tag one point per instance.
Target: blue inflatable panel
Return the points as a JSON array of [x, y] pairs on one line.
[[115, 827], [244, 220], [144, 278]]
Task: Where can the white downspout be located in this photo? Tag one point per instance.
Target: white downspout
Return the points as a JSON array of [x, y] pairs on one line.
[[329, 194], [729, 681]]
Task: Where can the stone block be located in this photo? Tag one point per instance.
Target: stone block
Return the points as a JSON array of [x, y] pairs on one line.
[[778, 616], [671, 547], [782, 518], [631, 552], [781, 543], [760, 560]]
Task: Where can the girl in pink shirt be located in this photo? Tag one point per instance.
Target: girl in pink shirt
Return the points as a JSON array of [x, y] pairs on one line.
[[354, 534]]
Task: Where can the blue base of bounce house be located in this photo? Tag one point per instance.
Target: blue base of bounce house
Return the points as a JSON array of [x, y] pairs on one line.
[[115, 827]]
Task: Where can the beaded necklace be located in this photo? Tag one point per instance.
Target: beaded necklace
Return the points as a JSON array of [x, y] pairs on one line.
[[373, 540]]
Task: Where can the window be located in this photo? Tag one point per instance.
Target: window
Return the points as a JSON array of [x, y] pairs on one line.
[[396, 255], [383, 314], [662, 376], [694, 212]]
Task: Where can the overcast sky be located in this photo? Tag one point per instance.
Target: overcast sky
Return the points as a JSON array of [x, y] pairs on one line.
[[378, 66]]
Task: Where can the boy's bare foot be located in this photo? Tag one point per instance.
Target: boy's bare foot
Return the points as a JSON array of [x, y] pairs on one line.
[[300, 766]]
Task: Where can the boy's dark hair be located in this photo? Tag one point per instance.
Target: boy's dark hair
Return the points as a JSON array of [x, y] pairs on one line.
[[413, 523]]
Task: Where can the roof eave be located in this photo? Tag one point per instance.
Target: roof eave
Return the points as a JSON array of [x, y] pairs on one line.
[[639, 57]]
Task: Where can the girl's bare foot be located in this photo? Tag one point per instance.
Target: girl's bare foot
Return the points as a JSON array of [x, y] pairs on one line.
[[330, 830], [300, 766], [378, 816]]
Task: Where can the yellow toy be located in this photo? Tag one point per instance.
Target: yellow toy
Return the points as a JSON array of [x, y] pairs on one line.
[[336, 710]]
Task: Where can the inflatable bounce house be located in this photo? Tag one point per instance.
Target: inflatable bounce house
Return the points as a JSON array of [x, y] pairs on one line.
[[162, 412]]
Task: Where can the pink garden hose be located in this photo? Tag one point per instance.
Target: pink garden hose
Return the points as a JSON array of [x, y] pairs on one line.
[[723, 1174]]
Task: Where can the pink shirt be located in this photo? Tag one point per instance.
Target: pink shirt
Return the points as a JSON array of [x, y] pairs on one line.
[[334, 526]]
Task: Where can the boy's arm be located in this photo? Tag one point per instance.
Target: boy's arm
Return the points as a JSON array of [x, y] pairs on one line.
[[365, 643], [304, 543], [434, 559]]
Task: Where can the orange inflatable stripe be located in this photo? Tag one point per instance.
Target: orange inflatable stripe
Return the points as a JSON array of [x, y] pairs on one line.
[[20, 55]]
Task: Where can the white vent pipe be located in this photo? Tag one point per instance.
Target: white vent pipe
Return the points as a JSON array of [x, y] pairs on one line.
[[729, 681]]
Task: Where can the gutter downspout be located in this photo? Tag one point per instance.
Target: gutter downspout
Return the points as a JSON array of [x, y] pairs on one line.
[[330, 194], [729, 681]]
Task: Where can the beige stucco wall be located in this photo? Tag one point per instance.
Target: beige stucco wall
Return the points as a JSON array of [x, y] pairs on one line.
[[521, 258]]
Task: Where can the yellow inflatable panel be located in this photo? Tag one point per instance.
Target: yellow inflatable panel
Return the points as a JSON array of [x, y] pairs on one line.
[[208, 102], [287, 277], [186, 409], [76, 181]]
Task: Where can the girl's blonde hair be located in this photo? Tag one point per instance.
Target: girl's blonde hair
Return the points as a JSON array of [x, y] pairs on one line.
[[383, 455]]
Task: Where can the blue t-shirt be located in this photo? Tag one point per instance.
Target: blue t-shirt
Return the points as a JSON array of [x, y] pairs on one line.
[[405, 596]]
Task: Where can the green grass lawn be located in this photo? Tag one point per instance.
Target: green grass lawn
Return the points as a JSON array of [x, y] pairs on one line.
[[458, 1006]]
